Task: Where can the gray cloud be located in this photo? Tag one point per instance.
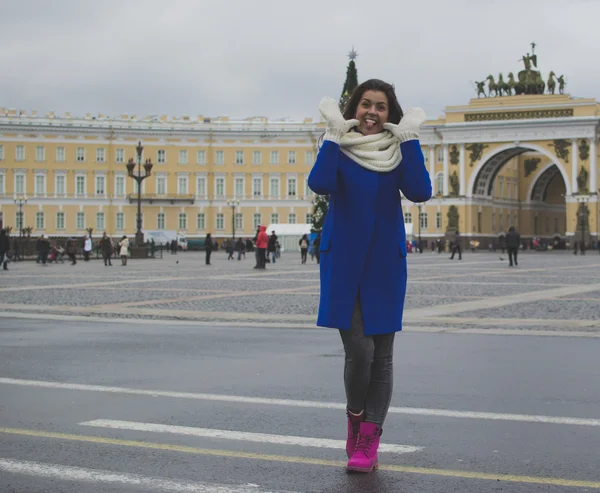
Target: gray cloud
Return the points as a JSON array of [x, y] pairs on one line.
[[278, 58]]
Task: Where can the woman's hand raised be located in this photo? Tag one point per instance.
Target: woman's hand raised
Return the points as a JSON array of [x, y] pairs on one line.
[[336, 124]]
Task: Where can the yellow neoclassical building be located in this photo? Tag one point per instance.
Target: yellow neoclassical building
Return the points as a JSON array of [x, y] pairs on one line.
[[72, 172], [530, 161]]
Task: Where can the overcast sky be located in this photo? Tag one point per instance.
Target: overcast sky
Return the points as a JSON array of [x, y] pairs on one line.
[[244, 58]]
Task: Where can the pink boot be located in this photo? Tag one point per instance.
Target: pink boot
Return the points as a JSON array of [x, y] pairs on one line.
[[354, 421], [364, 458]]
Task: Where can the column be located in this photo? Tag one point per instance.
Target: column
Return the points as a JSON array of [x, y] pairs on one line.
[[593, 168], [446, 172], [574, 166], [432, 166], [463, 185]]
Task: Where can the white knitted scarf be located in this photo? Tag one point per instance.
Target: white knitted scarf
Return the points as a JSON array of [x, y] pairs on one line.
[[378, 152]]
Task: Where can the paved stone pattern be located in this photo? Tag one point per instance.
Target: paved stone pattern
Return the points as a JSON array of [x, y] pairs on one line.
[[287, 293]]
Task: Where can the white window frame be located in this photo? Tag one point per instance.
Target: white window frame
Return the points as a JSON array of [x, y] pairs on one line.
[[2, 183], [20, 153], [201, 157], [182, 221], [274, 158], [161, 156], [239, 221], [292, 180], [100, 221], [277, 190], [257, 157], [239, 194], [500, 187], [161, 221], [220, 185], [100, 155], [119, 155], [60, 220], [80, 225], [291, 157], [408, 218], [308, 218], [439, 183], [1, 152], [117, 179], [161, 179], [183, 157], [274, 218], [239, 158], [292, 218], [200, 221], [219, 158], [201, 188], [220, 221], [256, 220], [36, 190], [40, 221], [84, 193], [257, 191], [60, 154], [182, 179], [80, 155], [440, 154], [40, 154], [97, 191], [309, 158], [438, 220], [423, 220], [120, 218], [23, 189], [63, 179]]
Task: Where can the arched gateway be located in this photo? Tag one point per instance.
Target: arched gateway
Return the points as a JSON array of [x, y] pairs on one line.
[[527, 160]]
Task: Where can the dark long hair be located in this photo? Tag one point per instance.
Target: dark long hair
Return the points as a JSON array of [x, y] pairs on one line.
[[396, 112]]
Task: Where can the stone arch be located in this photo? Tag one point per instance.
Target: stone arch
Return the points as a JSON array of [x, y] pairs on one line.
[[482, 178], [541, 181]]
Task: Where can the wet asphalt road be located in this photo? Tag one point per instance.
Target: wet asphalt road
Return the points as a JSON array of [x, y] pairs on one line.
[[526, 375]]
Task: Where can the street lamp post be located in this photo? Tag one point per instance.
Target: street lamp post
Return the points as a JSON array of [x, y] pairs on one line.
[[233, 204], [20, 201], [139, 178], [420, 246]]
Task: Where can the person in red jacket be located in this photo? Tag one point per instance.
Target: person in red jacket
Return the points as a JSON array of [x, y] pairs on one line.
[[261, 245]]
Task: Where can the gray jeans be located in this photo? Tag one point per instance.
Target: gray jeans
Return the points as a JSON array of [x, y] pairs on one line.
[[368, 369]]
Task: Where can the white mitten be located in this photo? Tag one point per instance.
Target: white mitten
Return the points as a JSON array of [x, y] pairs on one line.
[[336, 125], [408, 128]]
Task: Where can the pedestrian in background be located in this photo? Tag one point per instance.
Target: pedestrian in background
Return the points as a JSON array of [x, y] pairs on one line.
[[124, 249], [208, 248], [456, 248], [303, 243], [87, 247], [272, 247], [239, 248], [106, 249], [262, 240], [363, 277], [513, 240], [4, 248]]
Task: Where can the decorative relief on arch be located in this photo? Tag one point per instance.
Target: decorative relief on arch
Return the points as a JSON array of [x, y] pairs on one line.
[[561, 149], [584, 150], [454, 155], [531, 165], [582, 180], [476, 151]]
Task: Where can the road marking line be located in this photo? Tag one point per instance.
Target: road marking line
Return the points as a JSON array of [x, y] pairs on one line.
[[243, 436], [304, 460], [72, 473], [527, 418]]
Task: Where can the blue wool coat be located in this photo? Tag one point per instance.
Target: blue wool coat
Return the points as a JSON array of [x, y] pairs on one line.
[[363, 244]]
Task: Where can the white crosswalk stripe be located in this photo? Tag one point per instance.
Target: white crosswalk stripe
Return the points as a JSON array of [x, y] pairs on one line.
[[98, 476], [241, 436]]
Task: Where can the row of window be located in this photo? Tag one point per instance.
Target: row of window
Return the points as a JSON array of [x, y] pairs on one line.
[[511, 190], [424, 219], [80, 221], [239, 186], [161, 156]]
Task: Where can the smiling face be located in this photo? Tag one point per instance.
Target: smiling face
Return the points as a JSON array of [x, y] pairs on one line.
[[372, 112]]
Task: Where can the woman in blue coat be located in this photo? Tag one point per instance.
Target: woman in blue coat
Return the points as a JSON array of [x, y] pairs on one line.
[[369, 154]]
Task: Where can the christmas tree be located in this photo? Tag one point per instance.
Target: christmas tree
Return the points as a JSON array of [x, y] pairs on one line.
[[321, 202]]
